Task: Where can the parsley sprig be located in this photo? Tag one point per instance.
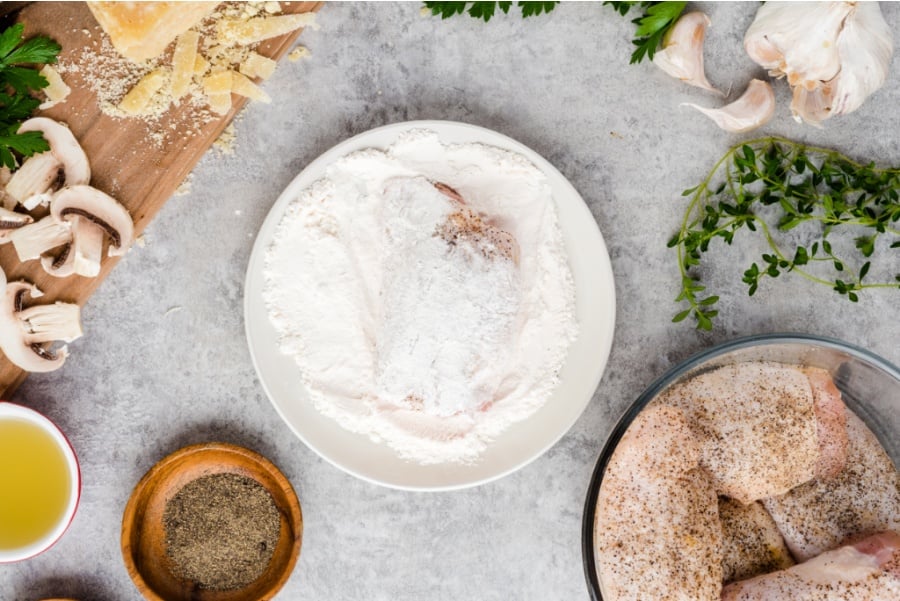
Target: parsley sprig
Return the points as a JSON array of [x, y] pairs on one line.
[[486, 10], [657, 19], [17, 83], [772, 186]]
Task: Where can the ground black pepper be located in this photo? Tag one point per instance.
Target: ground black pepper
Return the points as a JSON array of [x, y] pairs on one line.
[[221, 531]]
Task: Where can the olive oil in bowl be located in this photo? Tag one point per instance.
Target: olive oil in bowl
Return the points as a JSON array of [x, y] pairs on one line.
[[38, 483]]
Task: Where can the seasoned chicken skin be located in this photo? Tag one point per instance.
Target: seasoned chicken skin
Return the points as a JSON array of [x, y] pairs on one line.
[[759, 426], [866, 571], [751, 543], [657, 532], [863, 498]]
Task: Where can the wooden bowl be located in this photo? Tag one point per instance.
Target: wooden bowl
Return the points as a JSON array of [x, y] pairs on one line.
[[144, 537]]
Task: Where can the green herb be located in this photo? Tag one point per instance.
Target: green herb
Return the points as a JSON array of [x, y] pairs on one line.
[[772, 186], [17, 82], [657, 19], [486, 10]]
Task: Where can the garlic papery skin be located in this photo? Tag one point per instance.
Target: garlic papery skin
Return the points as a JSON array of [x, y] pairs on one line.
[[682, 53], [833, 54], [754, 108]]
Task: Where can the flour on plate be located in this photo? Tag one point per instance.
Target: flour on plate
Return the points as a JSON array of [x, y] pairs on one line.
[[429, 318]]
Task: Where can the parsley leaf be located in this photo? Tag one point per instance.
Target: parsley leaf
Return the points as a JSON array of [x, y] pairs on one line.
[[17, 82], [486, 10], [530, 9], [652, 26]]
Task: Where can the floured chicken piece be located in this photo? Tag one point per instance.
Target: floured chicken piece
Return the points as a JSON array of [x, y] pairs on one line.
[[763, 428], [657, 531], [465, 280], [866, 571], [465, 225], [751, 542], [863, 498]]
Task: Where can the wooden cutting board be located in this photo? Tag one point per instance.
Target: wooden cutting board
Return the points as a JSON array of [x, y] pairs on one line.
[[125, 163]]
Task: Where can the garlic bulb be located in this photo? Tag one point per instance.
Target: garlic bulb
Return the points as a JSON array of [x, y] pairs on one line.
[[682, 52], [754, 108], [834, 54]]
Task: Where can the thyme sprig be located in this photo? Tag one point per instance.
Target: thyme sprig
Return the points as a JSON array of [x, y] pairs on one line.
[[772, 186]]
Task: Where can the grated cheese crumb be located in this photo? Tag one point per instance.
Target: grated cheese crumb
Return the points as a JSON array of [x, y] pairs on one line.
[[298, 53]]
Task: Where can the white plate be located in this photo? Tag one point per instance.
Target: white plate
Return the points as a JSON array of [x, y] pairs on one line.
[[522, 442]]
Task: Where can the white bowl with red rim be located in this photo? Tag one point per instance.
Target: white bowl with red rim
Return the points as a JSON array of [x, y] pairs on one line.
[[10, 412]]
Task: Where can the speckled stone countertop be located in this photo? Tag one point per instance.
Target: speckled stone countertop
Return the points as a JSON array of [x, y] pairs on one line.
[[164, 361]]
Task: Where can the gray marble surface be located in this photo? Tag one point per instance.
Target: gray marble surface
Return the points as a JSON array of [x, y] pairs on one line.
[[164, 362]]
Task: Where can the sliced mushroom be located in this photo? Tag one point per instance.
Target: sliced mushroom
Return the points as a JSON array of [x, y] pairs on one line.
[[33, 240], [65, 164], [101, 210], [10, 221], [87, 247], [24, 332], [61, 265]]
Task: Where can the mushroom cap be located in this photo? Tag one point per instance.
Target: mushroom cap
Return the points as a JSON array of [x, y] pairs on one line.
[[12, 335], [64, 147], [102, 209]]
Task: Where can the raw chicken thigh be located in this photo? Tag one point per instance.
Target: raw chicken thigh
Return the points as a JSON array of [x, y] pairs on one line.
[[751, 543], [866, 571], [764, 428], [657, 529], [864, 498]]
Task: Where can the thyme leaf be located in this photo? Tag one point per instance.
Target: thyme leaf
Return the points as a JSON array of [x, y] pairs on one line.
[[771, 186]]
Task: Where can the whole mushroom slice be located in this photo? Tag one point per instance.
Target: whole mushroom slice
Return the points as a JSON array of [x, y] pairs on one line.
[[65, 164], [24, 331], [92, 215]]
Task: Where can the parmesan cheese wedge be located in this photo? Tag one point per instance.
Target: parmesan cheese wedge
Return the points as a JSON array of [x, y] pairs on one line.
[[250, 31], [256, 65], [183, 61], [240, 84], [57, 91], [138, 98], [218, 91], [142, 30]]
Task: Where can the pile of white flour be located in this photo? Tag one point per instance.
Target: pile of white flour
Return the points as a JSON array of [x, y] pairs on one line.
[[432, 343]]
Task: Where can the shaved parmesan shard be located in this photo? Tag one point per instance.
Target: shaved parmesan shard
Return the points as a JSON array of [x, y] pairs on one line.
[[183, 61], [256, 65], [218, 91], [138, 98], [243, 86], [250, 31], [57, 90], [201, 65]]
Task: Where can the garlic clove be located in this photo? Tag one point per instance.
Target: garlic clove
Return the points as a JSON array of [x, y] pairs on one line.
[[834, 54], [682, 53], [812, 106], [797, 39], [754, 108], [865, 47]]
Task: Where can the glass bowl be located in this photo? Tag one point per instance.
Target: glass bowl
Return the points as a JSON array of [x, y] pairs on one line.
[[870, 387]]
